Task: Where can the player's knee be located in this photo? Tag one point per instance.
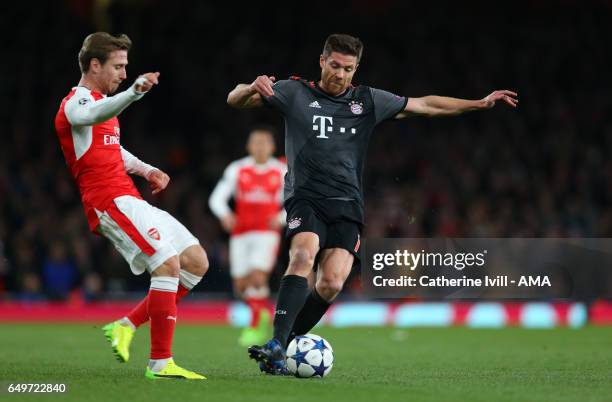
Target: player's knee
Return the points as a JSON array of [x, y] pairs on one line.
[[258, 278], [195, 261], [301, 260], [239, 287], [171, 267], [329, 288]]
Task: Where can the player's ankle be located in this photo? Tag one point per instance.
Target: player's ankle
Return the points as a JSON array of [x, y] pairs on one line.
[[126, 322], [157, 365]]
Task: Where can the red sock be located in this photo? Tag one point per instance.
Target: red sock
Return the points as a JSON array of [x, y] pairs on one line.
[[162, 310], [255, 305], [139, 314], [181, 292]]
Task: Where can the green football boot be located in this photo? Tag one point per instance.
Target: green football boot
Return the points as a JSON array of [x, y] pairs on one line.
[[120, 337], [257, 335], [172, 371]]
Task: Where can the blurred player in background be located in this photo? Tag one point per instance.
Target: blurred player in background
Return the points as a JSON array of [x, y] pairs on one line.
[[328, 126], [148, 238], [256, 183]]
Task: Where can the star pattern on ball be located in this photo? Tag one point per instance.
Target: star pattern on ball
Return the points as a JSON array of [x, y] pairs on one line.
[[320, 345], [299, 358], [320, 369]]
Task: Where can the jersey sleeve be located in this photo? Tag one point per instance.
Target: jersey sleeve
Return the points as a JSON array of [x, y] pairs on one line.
[[83, 110], [225, 188], [284, 92], [386, 104], [133, 165]]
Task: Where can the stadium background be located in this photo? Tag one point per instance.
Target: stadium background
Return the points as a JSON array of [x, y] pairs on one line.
[[543, 170]]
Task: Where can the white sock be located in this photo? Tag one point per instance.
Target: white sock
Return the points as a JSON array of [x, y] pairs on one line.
[[127, 323], [157, 365], [188, 280], [257, 293]]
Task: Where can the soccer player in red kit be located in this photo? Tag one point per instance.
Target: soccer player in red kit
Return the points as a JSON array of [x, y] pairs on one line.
[[148, 238], [256, 183]]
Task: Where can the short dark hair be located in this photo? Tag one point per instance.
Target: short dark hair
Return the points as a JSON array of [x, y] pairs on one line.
[[342, 43], [99, 45], [263, 127]]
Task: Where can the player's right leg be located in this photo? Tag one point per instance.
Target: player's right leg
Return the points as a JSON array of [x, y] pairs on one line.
[[291, 297], [193, 267], [163, 315], [261, 248], [334, 267], [145, 241], [193, 262], [255, 293], [240, 249]]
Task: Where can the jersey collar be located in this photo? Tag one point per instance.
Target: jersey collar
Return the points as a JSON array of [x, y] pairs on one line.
[[346, 91]]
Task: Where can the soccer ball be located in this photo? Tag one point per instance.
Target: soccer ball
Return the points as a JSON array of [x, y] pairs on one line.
[[309, 356]]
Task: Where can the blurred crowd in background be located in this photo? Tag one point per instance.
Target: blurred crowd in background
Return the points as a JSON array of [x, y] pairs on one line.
[[542, 170]]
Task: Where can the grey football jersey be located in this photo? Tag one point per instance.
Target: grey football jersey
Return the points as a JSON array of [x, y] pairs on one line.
[[326, 137]]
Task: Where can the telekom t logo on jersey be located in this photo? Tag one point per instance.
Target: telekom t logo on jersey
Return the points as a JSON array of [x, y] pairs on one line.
[[324, 124]]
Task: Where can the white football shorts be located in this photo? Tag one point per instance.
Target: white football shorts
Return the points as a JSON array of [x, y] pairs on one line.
[[145, 236], [254, 250]]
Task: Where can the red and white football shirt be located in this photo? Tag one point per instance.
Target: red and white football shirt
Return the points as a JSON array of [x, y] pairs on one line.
[[89, 134], [257, 190]]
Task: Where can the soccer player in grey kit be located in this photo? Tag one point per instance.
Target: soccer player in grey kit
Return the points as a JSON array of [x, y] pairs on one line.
[[328, 124]]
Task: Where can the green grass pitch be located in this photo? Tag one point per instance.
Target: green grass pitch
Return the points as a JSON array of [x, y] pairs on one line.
[[371, 364]]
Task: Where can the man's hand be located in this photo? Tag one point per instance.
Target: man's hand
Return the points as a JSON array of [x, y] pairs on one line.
[[228, 222], [507, 96], [263, 85], [158, 180], [146, 81]]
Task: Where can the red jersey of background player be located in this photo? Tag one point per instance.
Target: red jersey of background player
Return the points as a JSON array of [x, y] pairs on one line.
[[257, 191], [98, 163]]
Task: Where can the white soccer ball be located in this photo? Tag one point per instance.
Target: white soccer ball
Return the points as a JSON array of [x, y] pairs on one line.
[[309, 356]]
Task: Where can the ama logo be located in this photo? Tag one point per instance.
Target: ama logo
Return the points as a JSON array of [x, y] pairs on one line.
[[538, 281]]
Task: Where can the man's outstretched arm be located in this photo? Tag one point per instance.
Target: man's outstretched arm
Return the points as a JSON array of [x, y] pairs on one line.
[[433, 106], [87, 111], [250, 95]]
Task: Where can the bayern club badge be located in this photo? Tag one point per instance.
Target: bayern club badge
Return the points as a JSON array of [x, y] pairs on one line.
[[356, 107], [294, 223]]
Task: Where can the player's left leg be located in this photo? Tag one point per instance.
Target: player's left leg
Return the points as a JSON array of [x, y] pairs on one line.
[[262, 251], [162, 312], [255, 295], [337, 259], [193, 267], [334, 268], [193, 264], [241, 248]]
